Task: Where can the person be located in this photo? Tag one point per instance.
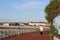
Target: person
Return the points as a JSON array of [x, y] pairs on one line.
[[41, 30]]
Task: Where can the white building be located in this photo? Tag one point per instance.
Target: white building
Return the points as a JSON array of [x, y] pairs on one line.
[[45, 25], [5, 24], [39, 24]]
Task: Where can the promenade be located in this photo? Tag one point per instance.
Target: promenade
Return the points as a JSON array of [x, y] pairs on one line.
[[30, 36]]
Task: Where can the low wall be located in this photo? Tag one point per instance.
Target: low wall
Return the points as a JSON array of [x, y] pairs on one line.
[[8, 32]]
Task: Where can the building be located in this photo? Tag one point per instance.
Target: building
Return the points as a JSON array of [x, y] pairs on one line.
[[21, 24], [39, 23], [6, 24], [45, 25]]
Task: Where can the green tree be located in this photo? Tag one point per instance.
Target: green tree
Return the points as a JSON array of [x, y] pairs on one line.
[[52, 10]]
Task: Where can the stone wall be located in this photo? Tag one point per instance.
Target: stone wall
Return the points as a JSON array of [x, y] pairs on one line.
[[8, 32]]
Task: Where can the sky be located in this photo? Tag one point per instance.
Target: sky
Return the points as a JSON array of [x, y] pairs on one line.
[[23, 10], [57, 22]]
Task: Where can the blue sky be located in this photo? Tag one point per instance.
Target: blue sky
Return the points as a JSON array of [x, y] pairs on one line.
[[23, 10]]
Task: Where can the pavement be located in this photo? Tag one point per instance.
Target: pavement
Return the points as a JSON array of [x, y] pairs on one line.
[[55, 38], [30, 36]]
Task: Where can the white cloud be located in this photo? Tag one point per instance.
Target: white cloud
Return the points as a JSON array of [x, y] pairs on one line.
[[32, 4]]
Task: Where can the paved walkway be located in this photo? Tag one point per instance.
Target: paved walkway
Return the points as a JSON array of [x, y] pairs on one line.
[[30, 36], [56, 38]]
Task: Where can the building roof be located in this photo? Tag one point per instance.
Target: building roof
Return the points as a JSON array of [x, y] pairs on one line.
[[39, 22]]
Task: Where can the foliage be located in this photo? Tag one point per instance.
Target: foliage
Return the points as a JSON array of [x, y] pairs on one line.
[[52, 10]]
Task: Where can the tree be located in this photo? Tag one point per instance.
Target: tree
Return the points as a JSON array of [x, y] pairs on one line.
[[52, 10], [16, 24]]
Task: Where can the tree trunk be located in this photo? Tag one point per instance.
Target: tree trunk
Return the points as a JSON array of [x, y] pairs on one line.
[[52, 29]]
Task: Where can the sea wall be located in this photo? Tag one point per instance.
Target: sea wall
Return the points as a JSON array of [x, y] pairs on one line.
[[8, 32]]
